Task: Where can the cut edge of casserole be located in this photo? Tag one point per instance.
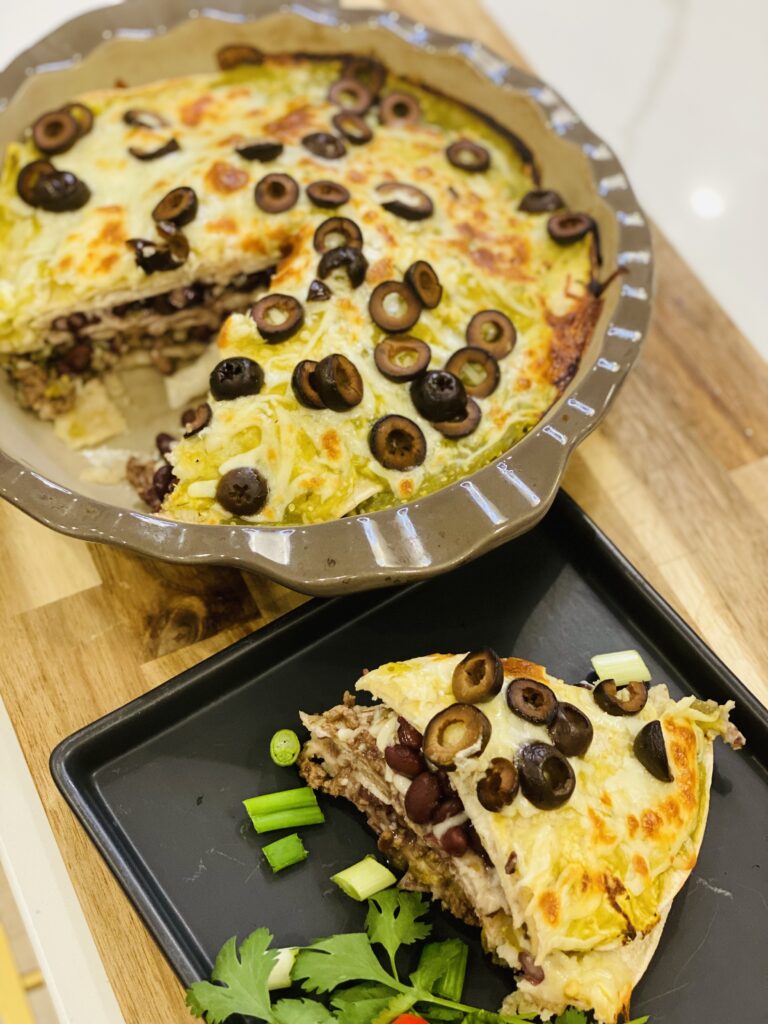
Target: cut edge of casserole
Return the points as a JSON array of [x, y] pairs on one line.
[[619, 935]]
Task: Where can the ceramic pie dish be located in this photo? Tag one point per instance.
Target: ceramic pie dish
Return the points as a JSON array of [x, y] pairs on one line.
[[438, 530]]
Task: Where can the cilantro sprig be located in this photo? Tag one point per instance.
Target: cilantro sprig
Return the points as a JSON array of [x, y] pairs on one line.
[[344, 978]]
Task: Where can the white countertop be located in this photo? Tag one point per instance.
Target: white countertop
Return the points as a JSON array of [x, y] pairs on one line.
[[679, 88]]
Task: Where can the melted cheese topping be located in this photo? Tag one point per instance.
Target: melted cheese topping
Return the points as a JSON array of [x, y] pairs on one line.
[[598, 873], [487, 254]]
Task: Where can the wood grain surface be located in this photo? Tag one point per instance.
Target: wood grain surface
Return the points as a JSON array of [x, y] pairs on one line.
[[677, 476]]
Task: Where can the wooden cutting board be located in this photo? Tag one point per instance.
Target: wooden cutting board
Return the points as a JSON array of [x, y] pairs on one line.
[[677, 476]]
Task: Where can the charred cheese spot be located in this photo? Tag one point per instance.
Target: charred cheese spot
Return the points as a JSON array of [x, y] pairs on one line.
[[192, 113], [222, 226], [640, 865], [113, 232], [293, 125], [600, 831], [331, 445], [605, 800], [651, 823], [550, 907], [632, 825], [223, 177]]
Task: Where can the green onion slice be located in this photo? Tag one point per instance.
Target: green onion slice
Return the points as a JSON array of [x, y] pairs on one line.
[[296, 817], [284, 747], [621, 666], [285, 800], [364, 879], [280, 975], [284, 852]]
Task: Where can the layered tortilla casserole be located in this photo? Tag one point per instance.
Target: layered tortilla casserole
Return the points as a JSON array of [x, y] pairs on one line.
[[361, 283]]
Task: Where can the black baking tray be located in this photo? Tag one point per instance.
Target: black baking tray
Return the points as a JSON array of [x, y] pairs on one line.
[[158, 784]]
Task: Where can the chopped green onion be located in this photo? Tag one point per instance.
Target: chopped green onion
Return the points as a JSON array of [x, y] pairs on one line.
[[284, 747], [280, 975], [290, 808], [285, 852], [293, 818], [364, 879], [285, 800], [621, 666]]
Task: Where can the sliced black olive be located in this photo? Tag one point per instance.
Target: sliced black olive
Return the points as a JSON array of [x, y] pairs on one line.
[[492, 331], [350, 95], [338, 382], [165, 443], [179, 207], [178, 243], [236, 377], [235, 54], [422, 798], [349, 259], [499, 785], [164, 481], [531, 700], [651, 752], [398, 109], [336, 232], [318, 292], [153, 154], [168, 303], [401, 359], [476, 369], [144, 119], [468, 156], [263, 150], [153, 256], [353, 127], [59, 192], [303, 385], [567, 228], [439, 395], [394, 306], [546, 777], [625, 701], [460, 727], [327, 194], [325, 145], [55, 132], [478, 677], [570, 730], [541, 200], [397, 443], [29, 176], [367, 71], [463, 427], [243, 491], [195, 420], [278, 317], [406, 201], [82, 114], [276, 193], [422, 278]]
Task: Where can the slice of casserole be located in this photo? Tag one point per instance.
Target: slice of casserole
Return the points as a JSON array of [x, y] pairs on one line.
[[561, 820]]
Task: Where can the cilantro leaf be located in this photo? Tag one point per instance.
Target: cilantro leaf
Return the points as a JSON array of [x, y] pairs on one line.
[[442, 968], [331, 962], [301, 1011], [392, 920], [488, 1017], [397, 1005], [244, 981], [360, 1004], [572, 1016]]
